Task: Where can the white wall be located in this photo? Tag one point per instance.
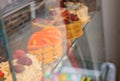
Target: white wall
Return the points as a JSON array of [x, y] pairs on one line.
[[111, 16]]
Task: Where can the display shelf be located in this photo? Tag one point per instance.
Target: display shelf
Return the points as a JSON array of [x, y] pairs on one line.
[[103, 73], [20, 41], [64, 56], [15, 7], [20, 11], [38, 5], [12, 8]]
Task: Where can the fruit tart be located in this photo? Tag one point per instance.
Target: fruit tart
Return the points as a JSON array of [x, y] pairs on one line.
[[80, 10], [73, 26]]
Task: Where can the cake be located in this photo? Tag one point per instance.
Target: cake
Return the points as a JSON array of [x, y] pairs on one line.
[[5, 69], [46, 45], [31, 72], [74, 30], [73, 25], [25, 67]]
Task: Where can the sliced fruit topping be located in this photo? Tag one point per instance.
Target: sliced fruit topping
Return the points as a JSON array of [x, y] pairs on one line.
[[70, 18], [24, 61], [1, 74], [18, 53], [65, 13], [19, 68], [66, 21]]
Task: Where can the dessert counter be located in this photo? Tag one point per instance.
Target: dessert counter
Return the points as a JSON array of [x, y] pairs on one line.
[[48, 41]]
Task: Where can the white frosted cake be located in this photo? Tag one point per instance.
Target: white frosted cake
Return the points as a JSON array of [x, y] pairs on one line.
[[4, 67], [30, 72]]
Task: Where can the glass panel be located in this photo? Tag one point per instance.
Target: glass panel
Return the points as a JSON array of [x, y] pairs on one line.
[[47, 37]]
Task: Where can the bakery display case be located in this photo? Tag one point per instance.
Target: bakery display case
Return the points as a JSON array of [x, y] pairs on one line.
[[57, 40]]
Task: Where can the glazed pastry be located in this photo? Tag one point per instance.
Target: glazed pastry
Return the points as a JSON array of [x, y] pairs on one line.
[[46, 44]]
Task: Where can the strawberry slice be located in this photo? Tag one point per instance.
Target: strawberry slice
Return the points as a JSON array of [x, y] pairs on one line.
[[1, 74], [18, 53], [65, 13], [19, 68]]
